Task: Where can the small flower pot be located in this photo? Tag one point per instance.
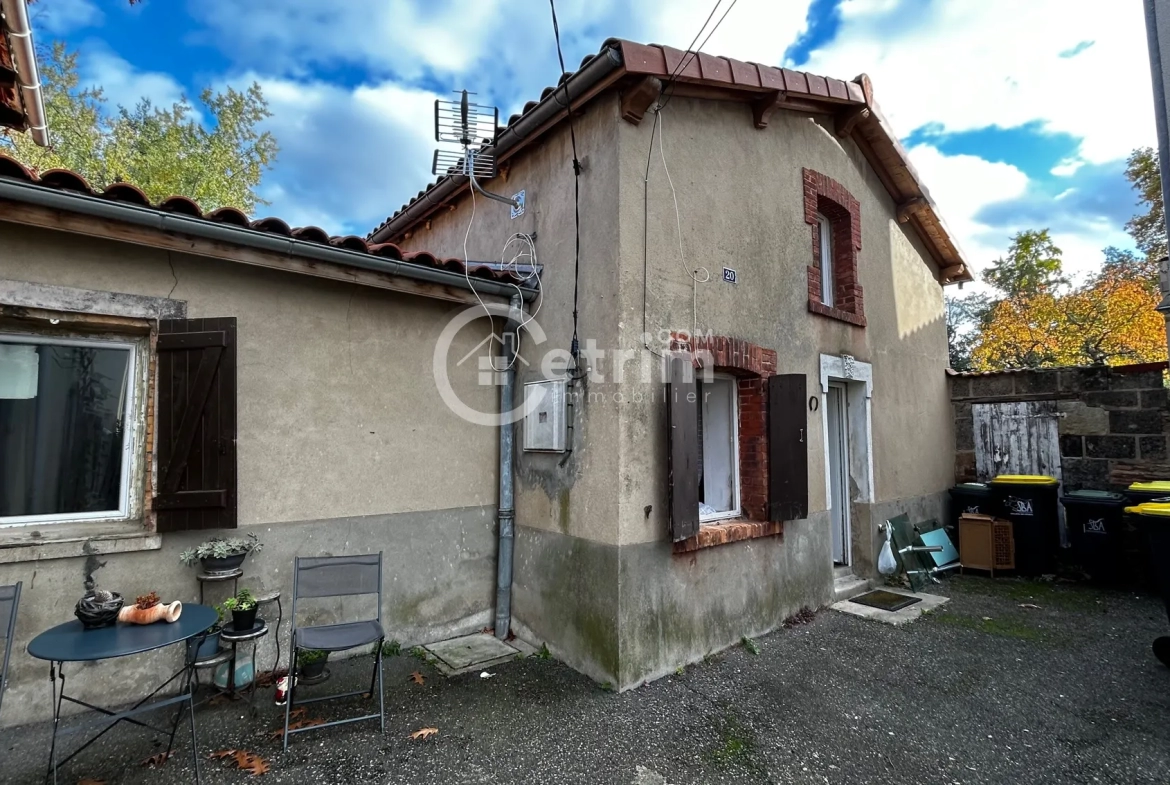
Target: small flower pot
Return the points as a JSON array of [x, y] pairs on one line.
[[205, 649], [243, 620], [213, 566], [312, 670]]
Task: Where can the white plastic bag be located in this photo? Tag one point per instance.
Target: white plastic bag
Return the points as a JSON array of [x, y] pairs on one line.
[[887, 564]]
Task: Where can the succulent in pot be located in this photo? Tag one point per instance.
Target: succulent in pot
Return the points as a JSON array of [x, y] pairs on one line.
[[243, 609], [98, 608], [220, 555], [311, 663]]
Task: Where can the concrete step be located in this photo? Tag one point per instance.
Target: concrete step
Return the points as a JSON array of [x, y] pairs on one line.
[[848, 586]]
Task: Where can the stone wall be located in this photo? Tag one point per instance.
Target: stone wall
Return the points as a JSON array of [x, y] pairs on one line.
[[1112, 421]]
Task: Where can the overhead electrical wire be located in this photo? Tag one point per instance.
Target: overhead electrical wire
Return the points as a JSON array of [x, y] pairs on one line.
[[575, 345]]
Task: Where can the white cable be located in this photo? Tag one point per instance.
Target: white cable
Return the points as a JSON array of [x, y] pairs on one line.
[[513, 266], [695, 274]]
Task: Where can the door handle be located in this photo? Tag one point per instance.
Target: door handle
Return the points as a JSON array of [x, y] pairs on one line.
[[802, 435]]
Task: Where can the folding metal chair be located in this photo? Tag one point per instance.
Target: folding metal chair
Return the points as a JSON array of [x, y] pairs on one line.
[[336, 576], [9, 601]]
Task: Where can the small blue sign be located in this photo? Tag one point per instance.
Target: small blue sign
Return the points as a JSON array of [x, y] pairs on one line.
[[728, 275]]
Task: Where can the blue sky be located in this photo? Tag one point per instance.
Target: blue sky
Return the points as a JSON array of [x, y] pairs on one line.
[[1017, 115]]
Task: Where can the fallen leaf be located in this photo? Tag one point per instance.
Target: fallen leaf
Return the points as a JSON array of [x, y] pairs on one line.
[[155, 761], [424, 733], [417, 677], [486, 675], [222, 754], [1029, 605], [297, 714], [257, 767]]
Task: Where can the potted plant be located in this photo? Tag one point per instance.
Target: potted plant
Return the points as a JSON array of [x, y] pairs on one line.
[[207, 647], [243, 608], [311, 663], [220, 555]]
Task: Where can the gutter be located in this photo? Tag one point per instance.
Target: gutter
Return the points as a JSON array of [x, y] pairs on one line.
[[601, 66], [159, 221], [506, 512], [25, 58], [1161, 122]]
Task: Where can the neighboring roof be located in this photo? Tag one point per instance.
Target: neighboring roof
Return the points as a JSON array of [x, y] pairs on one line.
[[622, 63], [70, 182]]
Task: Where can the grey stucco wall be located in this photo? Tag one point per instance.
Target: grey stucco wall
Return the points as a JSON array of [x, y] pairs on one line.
[[740, 201], [344, 446]]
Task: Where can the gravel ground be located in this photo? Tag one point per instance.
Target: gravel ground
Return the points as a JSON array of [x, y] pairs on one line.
[[986, 690]]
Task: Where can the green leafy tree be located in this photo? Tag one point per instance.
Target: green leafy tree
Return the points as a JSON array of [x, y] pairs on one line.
[[213, 154], [965, 319], [1148, 229], [1032, 266]]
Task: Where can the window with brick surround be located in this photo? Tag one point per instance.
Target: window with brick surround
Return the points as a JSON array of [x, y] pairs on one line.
[[834, 216]]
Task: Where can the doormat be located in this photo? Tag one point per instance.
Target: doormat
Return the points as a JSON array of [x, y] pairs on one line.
[[885, 600]]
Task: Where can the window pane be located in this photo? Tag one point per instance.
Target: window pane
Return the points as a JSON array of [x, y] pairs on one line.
[[826, 232], [719, 452], [61, 428]]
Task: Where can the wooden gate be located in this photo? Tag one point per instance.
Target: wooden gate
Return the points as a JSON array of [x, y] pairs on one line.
[[1016, 438]]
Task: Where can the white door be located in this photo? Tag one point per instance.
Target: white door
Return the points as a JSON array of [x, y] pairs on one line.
[[838, 448]]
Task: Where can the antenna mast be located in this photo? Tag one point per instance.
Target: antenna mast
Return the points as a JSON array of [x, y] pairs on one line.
[[472, 126]]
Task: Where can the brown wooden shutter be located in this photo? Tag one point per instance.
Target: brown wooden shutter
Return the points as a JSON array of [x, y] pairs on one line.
[[682, 438], [195, 424], [787, 448]]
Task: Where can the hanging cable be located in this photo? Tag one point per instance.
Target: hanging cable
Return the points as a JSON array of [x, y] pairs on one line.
[[575, 345], [667, 91], [693, 52]]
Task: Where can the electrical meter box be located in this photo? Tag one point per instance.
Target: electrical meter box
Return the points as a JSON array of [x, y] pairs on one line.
[[545, 404]]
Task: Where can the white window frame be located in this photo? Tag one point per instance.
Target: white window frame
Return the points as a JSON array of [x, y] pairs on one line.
[[737, 508], [826, 233], [133, 419]]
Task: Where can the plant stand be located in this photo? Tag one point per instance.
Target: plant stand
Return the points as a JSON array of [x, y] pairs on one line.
[[204, 579], [233, 637]]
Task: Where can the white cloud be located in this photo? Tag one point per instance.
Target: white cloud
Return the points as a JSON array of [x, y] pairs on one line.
[[754, 30], [63, 16], [124, 85], [962, 185], [348, 158], [970, 64]]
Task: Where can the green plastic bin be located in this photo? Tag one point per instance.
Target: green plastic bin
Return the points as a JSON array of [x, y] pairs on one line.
[[1030, 502], [1095, 522]]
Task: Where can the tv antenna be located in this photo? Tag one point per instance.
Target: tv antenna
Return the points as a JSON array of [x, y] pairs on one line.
[[473, 127]]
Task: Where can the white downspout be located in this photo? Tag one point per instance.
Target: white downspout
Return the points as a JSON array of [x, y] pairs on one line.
[[25, 58]]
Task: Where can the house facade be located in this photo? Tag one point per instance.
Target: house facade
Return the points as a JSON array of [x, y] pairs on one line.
[[801, 273], [317, 428], [749, 351]]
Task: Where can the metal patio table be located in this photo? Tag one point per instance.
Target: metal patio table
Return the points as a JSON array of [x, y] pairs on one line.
[[70, 642]]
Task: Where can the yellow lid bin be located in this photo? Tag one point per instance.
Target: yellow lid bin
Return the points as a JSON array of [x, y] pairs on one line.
[[1156, 486], [1027, 479], [1150, 509]]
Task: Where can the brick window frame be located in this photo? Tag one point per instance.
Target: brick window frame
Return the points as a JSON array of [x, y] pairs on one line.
[[751, 365], [825, 196]]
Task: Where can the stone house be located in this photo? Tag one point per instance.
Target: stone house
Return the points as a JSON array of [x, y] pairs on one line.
[[766, 226]]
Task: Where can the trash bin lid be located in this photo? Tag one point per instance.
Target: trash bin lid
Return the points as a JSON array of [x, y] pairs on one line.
[[1157, 486], [1093, 497], [974, 487], [1151, 509], [1025, 479]]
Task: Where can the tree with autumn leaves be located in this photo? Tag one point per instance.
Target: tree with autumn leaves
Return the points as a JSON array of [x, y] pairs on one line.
[[1034, 317]]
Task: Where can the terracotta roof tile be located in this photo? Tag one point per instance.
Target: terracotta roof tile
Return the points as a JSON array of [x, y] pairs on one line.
[[66, 180]]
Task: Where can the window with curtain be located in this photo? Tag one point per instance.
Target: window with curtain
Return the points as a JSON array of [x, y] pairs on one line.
[[64, 439]]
